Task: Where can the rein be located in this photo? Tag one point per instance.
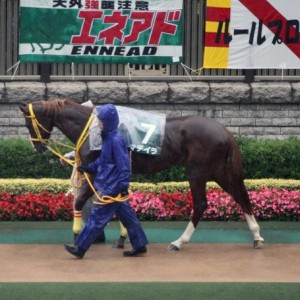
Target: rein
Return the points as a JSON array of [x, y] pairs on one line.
[[84, 135]]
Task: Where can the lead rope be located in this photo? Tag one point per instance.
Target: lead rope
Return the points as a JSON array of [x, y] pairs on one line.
[[84, 135], [106, 199]]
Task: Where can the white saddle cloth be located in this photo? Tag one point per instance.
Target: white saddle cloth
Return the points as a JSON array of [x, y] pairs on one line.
[[143, 130]]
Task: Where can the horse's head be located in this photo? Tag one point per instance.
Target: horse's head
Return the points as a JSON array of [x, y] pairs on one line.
[[38, 125]]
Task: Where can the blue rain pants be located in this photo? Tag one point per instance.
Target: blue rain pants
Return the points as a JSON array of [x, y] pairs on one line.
[[102, 214]]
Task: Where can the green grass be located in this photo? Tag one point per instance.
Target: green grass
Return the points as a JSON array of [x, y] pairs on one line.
[[151, 291]]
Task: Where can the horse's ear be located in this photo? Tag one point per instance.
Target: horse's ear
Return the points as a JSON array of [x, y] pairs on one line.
[[23, 107]]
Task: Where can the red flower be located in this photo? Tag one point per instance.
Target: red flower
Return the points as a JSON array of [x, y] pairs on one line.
[[268, 204]]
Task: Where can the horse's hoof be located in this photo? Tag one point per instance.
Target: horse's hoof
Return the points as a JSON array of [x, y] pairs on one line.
[[173, 248], [119, 244], [258, 244]]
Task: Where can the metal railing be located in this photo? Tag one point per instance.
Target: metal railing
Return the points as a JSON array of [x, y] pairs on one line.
[[194, 17]]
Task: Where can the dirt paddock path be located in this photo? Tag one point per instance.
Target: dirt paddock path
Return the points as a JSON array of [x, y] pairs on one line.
[[193, 263]]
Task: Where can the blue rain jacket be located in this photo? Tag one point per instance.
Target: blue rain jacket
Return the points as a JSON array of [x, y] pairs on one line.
[[112, 167]]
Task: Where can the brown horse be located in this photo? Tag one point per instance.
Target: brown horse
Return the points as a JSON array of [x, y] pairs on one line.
[[206, 149]]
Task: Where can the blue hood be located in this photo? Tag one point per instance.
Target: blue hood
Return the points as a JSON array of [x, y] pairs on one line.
[[109, 117]]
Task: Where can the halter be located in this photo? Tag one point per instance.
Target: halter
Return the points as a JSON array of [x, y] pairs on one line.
[[84, 135], [36, 125]]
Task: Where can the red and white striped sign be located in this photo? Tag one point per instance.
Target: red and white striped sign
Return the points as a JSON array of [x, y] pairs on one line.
[[243, 34]]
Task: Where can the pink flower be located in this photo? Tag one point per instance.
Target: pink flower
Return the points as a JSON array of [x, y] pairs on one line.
[[268, 204]]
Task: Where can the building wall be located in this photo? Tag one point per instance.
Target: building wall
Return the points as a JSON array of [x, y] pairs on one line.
[[260, 109]]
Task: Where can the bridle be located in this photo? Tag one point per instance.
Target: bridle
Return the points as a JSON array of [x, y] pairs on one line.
[[84, 135], [37, 126]]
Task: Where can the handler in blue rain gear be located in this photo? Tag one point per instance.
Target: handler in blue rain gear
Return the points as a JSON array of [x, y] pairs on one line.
[[112, 169]]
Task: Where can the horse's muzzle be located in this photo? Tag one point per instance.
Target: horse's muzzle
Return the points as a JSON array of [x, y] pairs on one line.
[[39, 147]]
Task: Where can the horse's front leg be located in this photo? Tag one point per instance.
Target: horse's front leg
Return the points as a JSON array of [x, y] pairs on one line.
[[185, 237], [80, 199], [84, 193], [199, 206]]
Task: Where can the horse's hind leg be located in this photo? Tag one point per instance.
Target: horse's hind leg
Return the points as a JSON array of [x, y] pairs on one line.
[[199, 206], [254, 227], [239, 193]]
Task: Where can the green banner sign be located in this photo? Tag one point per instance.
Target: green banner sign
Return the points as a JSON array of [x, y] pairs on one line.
[[94, 31]]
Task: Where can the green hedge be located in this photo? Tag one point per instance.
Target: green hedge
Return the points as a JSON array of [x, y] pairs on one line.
[[262, 159], [20, 160], [270, 158], [54, 185]]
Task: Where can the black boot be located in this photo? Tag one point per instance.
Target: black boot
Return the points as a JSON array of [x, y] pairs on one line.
[[75, 250], [135, 252]]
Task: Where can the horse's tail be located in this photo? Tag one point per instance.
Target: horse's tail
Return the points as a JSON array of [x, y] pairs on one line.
[[235, 162]]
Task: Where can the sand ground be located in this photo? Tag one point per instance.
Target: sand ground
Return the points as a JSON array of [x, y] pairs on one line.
[[195, 262]]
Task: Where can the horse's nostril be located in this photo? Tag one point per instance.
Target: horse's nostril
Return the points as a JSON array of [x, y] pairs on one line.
[[40, 148]]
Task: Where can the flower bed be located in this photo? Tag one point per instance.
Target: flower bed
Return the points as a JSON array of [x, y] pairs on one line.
[[269, 204], [36, 207]]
